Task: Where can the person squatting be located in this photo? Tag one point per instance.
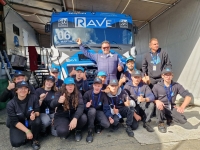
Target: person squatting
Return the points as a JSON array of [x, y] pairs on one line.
[[64, 107]]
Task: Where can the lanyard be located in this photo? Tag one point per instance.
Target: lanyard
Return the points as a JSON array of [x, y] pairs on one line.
[[169, 92], [116, 100], [93, 100], [154, 60], [138, 92]]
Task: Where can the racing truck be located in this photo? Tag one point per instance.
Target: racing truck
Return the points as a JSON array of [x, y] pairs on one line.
[[93, 28]]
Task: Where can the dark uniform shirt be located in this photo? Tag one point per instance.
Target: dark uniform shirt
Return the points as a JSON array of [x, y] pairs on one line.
[[161, 93], [47, 101]]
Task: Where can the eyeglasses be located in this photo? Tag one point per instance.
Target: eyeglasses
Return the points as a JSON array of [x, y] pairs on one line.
[[105, 47]]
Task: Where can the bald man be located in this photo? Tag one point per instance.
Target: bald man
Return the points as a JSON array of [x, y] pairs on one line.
[[154, 62]]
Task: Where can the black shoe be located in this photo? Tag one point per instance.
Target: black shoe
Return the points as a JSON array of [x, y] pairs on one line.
[[98, 129], [114, 128], [121, 120], [43, 134], [89, 138], [169, 122], [162, 128], [147, 126], [36, 145], [78, 135], [129, 131]]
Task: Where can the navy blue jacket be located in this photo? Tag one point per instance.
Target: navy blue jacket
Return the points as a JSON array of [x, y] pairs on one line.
[[72, 112], [98, 102], [141, 89]]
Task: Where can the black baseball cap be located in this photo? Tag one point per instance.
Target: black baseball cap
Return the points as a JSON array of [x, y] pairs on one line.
[[18, 73], [54, 70], [136, 73], [22, 84], [113, 82], [167, 70], [52, 78], [97, 80]]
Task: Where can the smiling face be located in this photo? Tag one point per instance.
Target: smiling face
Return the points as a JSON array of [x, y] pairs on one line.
[[22, 92], [105, 48], [70, 88], [97, 87], [48, 84], [167, 77], [103, 78], [79, 74], [130, 65], [154, 45]]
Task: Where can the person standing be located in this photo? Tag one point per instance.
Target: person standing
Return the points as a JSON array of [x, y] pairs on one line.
[[154, 62], [107, 62]]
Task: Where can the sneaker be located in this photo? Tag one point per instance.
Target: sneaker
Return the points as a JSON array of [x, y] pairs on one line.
[[90, 135], [147, 126], [129, 131], [98, 129], [36, 145], [162, 128], [78, 135]]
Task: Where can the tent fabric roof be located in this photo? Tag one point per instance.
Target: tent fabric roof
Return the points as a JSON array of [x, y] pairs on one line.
[[38, 12]]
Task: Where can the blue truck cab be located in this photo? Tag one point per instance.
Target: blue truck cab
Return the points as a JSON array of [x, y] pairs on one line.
[[93, 28]]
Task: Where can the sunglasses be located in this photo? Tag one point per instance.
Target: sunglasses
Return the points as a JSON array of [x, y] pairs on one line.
[[105, 47]]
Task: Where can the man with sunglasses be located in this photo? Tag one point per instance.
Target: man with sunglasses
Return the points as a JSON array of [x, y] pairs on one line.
[[107, 62], [55, 73]]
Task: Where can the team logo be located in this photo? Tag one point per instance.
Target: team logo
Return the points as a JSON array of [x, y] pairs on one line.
[[123, 23], [52, 97], [30, 108], [63, 22], [23, 82]]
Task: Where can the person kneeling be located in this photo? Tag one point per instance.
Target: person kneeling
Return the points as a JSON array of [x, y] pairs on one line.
[[23, 115], [165, 92], [119, 102], [69, 113], [96, 107], [144, 98]]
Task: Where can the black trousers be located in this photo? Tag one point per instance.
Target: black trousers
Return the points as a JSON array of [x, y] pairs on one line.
[[154, 81], [18, 137], [99, 116], [61, 125], [166, 112]]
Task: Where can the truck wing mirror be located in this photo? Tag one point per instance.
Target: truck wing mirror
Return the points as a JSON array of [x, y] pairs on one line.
[[135, 29], [47, 27]]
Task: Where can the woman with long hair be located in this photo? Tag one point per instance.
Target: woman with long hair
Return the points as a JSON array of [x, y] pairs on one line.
[[23, 117], [69, 113], [45, 95]]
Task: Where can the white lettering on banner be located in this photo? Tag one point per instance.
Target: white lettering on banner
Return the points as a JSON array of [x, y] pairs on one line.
[[81, 22]]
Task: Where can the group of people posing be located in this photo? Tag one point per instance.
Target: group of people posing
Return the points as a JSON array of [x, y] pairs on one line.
[[60, 106]]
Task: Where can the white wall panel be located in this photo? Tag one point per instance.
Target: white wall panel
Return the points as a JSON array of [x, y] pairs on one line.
[[178, 32]]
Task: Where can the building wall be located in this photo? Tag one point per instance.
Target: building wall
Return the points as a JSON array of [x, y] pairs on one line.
[[14, 18], [178, 32]]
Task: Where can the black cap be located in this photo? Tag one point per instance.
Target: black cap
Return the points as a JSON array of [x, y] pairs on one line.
[[22, 84], [113, 82], [52, 78], [18, 73], [136, 73], [97, 80], [167, 70], [54, 70]]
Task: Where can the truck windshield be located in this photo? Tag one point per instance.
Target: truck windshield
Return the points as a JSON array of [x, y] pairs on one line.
[[68, 36]]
